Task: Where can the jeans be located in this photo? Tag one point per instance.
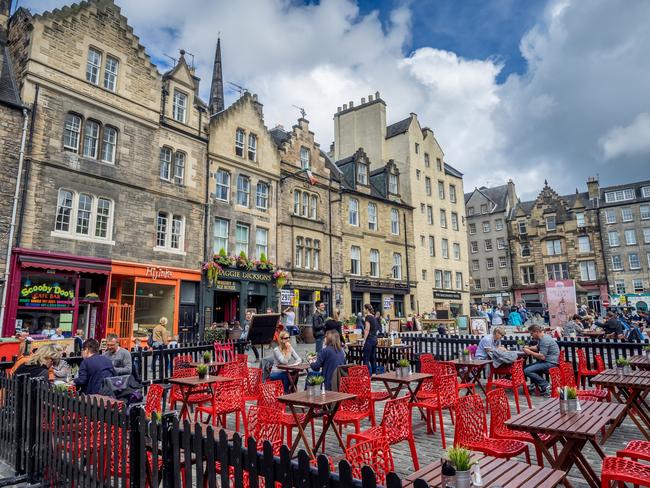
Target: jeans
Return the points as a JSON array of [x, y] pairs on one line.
[[533, 372], [319, 344], [370, 354], [282, 376]]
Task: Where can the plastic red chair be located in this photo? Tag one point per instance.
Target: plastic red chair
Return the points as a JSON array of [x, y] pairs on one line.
[[224, 351], [569, 379], [446, 397], [375, 396], [253, 384], [374, 453], [268, 397], [197, 397], [447, 367], [499, 408], [600, 364], [354, 410], [153, 402], [624, 470], [583, 370], [517, 380], [182, 361], [429, 387], [395, 427], [228, 398], [636, 450], [242, 358], [471, 431]]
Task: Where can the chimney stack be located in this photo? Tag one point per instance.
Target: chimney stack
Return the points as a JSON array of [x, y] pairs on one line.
[[593, 188]]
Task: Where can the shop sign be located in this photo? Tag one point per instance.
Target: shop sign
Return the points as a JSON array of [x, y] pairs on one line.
[[286, 297], [296, 297], [155, 272], [388, 302], [317, 295], [236, 274], [45, 295], [379, 285], [446, 295], [226, 286]]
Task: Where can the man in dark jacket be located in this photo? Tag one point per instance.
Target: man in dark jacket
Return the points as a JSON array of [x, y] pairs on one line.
[[94, 369], [318, 325]]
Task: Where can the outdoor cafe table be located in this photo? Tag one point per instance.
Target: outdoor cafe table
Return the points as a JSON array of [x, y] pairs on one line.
[[641, 361], [630, 390], [189, 385], [319, 405], [593, 333], [572, 430], [494, 472], [402, 381], [470, 370], [293, 373], [213, 366]]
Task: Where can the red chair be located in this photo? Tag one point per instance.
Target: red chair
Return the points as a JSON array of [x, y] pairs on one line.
[[471, 431], [624, 471], [268, 397], [636, 450], [583, 370], [354, 410], [182, 361], [236, 370], [197, 397], [499, 408], [224, 351], [569, 379], [242, 358], [253, 384], [429, 387], [374, 453], [153, 402], [516, 381], [375, 396], [395, 427], [600, 364], [228, 398], [446, 397], [447, 367]]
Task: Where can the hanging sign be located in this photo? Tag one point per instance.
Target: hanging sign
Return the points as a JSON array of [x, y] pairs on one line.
[[286, 297]]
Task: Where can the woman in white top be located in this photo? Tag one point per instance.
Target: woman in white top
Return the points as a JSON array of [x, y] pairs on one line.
[[283, 354], [497, 316]]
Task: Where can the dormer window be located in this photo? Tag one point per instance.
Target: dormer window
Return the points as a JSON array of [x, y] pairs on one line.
[[305, 162], [252, 147], [393, 184], [239, 143], [550, 222], [362, 174], [179, 106]]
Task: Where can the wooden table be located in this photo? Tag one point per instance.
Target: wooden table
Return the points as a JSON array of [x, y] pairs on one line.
[[293, 373], [593, 333], [472, 372], [402, 381], [320, 405], [572, 431], [640, 361], [188, 385], [494, 472], [630, 390], [213, 366]]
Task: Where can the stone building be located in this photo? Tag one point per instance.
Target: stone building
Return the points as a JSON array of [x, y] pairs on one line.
[[244, 168], [309, 224], [114, 178], [624, 212], [376, 235], [553, 238], [489, 252], [427, 183]]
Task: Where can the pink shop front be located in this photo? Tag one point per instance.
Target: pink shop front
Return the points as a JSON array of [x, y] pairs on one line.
[[587, 293]]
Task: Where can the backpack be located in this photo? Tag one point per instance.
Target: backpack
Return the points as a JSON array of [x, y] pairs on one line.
[[150, 339], [124, 388]]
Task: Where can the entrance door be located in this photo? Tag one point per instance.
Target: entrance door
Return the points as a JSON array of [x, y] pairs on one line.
[[186, 323], [375, 301], [226, 307], [88, 319]]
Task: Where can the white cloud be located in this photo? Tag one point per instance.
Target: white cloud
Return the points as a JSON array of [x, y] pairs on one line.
[[630, 140]]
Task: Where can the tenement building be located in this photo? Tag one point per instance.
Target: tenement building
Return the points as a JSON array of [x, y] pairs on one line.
[[427, 183], [557, 238], [624, 212], [489, 252], [309, 224], [109, 235]]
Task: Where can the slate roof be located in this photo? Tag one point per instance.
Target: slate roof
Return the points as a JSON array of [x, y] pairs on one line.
[[450, 170], [638, 195], [498, 195], [398, 127], [9, 94], [279, 136]]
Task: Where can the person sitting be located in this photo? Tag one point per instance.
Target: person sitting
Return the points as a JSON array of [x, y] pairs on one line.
[[58, 334], [573, 327], [94, 369], [490, 342], [330, 357], [78, 342], [283, 354], [613, 327], [38, 365], [120, 357], [60, 368], [47, 329], [547, 354]]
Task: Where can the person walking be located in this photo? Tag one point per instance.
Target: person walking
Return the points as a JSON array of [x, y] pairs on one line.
[[318, 325], [497, 316], [547, 354], [371, 327], [94, 369]]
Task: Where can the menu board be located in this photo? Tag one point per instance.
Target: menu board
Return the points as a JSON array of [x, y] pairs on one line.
[[45, 295]]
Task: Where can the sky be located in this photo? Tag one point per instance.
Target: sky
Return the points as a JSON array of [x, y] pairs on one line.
[[522, 89]]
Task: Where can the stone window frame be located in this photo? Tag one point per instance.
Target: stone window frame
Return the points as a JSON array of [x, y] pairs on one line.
[[427, 160], [261, 247], [443, 218], [96, 66], [305, 158], [304, 205], [454, 221], [172, 169], [617, 262], [619, 195], [361, 174], [238, 243], [92, 220], [427, 186], [441, 189], [169, 233], [635, 285], [430, 215], [581, 248], [180, 159], [240, 142], [432, 246], [630, 233], [505, 282], [373, 221], [393, 184], [377, 262], [105, 77], [489, 263], [456, 250], [444, 248], [616, 242], [252, 147], [619, 287], [471, 228], [397, 266], [459, 280], [527, 274], [80, 131], [437, 278], [244, 192], [176, 107], [585, 269], [222, 186], [394, 221], [644, 211], [492, 283], [476, 265], [634, 260], [110, 73], [452, 194], [503, 261]]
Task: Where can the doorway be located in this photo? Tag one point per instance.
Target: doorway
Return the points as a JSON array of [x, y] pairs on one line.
[[226, 307]]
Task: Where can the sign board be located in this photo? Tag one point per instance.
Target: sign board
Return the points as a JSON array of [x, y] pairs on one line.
[[378, 285], [262, 328], [317, 295], [561, 299], [388, 303], [447, 295], [296, 297], [238, 274], [45, 295], [286, 297], [226, 285]]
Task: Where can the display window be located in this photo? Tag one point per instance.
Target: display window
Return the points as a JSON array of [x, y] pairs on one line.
[[46, 301]]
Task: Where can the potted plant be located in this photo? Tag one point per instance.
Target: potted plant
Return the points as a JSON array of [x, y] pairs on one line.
[[462, 461], [264, 264], [212, 271], [61, 387], [465, 353], [621, 365], [222, 259], [520, 344], [568, 399], [403, 367], [243, 262], [280, 278], [202, 370], [646, 350], [315, 384], [207, 357]]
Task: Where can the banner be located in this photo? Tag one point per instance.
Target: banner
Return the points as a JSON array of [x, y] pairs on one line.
[[562, 303]]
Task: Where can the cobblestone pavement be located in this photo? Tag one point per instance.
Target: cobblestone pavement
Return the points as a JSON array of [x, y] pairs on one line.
[[429, 447]]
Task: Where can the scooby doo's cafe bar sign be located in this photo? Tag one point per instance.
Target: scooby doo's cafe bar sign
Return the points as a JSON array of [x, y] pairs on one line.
[[45, 295]]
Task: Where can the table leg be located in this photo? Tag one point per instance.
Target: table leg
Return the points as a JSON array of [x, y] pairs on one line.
[[293, 381], [186, 399], [571, 454], [329, 420], [393, 392], [476, 377], [414, 395], [309, 416], [623, 396]]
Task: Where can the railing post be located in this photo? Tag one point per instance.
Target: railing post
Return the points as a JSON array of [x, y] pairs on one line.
[[20, 403], [31, 411], [168, 450], [135, 445]]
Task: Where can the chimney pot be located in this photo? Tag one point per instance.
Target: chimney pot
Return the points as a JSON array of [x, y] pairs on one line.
[[363, 100], [338, 109], [351, 104], [345, 106], [370, 98], [376, 94]]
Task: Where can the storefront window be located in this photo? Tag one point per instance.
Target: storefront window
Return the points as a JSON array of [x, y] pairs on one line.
[[153, 301], [46, 301]]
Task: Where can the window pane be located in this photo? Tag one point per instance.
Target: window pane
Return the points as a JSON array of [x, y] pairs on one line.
[[223, 185], [241, 239], [109, 141], [63, 211], [71, 132], [110, 73], [313, 207], [243, 190], [305, 158], [261, 242], [296, 202], [394, 221], [161, 229], [179, 168], [165, 163], [262, 196], [103, 216], [177, 232], [252, 147], [239, 142], [220, 235], [91, 139], [83, 213], [179, 106], [93, 65]]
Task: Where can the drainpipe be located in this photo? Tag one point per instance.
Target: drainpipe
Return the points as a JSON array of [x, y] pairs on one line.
[[406, 253], [14, 210], [28, 166]]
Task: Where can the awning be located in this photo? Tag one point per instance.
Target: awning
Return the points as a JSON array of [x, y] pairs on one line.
[[43, 262]]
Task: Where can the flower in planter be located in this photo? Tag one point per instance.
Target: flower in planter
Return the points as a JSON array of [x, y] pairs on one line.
[[223, 259], [243, 262], [622, 362], [212, 271], [280, 278]]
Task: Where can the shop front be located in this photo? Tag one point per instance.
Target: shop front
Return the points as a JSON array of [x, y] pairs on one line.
[[140, 295], [54, 290], [386, 297], [449, 302], [236, 291]]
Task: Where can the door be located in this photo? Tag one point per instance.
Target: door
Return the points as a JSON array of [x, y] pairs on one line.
[[187, 327]]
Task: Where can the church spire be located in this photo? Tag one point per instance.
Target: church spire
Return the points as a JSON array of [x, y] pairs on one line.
[[216, 89]]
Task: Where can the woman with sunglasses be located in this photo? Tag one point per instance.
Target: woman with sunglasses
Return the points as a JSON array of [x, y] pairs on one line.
[[283, 354]]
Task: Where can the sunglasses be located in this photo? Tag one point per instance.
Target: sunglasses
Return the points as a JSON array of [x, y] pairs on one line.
[[285, 338]]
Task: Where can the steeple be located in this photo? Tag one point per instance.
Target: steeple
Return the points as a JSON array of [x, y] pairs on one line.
[[216, 89]]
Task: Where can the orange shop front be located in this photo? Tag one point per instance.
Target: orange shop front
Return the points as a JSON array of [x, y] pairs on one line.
[[140, 295]]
